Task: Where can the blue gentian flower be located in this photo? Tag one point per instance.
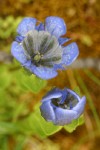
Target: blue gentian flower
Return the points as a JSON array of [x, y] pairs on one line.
[[62, 106], [39, 48]]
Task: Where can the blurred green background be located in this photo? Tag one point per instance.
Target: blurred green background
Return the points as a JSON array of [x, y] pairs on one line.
[[17, 100]]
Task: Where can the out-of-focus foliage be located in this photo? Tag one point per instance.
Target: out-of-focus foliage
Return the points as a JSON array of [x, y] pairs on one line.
[[8, 26]]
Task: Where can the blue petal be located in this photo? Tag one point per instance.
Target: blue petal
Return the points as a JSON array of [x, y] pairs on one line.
[[63, 40], [70, 53], [56, 26], [18, 52], [79, 108], [64, 96], [40, 27], [47, 111], [54, 93], [19, 38], [74, 94], [28, 65], [64, 116], [45, 73], [26, 25], [59, 66]]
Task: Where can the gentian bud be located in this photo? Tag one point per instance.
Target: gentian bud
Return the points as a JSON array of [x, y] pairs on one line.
[[62, 106]]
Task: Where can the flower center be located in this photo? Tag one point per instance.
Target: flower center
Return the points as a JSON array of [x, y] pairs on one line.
[[70, 102], [37, 57], [42, 48]]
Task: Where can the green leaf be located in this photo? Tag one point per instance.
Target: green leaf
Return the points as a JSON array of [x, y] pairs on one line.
[[3, 143], [30, 83], [40, 126], [75, 123], [3, 98], [35, 124], [20, 142], [5, 77], [7, 128], [81, 120], [19, 109]]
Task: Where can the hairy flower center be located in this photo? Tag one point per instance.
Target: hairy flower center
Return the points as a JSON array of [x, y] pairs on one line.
[[68, 103], [42, 48]]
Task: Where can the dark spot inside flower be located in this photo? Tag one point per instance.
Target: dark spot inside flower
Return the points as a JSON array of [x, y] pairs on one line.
[[43, 44], [70, 102], [49, 45], [50, 61]]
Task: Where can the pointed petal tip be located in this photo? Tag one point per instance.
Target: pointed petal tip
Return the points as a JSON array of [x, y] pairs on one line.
[[79, 108], [83, 99]]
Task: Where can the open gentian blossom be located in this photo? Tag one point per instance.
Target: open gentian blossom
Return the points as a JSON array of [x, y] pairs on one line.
[[62, 106], [39, 48]]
